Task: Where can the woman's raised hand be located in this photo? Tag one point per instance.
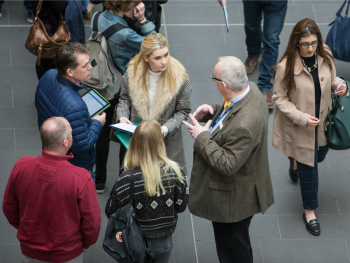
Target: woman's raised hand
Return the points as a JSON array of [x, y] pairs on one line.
[[139, 12], [125, 120]]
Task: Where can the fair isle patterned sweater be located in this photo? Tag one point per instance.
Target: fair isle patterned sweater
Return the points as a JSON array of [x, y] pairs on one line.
[[157, 214]]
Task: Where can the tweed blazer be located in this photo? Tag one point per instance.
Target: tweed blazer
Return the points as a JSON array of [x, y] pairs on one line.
[[170, 108], [291, 134], [231, 178]]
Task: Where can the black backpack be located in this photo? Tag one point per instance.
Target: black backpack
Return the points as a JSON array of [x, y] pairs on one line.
[[124, 240]]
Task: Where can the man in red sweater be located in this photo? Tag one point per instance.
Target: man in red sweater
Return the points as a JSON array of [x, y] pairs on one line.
[[51, 202]]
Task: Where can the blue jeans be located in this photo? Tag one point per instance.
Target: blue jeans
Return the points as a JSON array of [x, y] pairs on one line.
[[274, 14], [27, 4]]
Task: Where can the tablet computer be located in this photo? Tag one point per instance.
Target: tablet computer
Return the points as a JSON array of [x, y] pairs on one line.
[[94, 102]]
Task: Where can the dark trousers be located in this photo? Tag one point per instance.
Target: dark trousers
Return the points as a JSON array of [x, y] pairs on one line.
[[27, 4], [102, 145], [309, 175], [45, 65], [274, 13], [233, 242]]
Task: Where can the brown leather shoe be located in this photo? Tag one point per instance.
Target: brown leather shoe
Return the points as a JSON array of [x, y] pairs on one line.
[[268, 99], [250, 64]]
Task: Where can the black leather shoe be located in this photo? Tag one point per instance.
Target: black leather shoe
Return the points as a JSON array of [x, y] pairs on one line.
[[313, 226], [293, 174]]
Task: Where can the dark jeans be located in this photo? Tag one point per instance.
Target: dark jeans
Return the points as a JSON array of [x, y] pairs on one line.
[[161, 247], [27, 4], [233, 242], [309, 175], [102, 145], [274, 13]]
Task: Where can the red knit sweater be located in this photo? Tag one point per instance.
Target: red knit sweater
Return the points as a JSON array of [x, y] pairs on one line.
[[53, 205]]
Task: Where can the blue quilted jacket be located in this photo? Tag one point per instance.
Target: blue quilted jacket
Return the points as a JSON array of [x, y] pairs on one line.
[[58, 96]]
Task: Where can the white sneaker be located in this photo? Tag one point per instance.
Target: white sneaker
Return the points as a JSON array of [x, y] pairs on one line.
[[30, 20]]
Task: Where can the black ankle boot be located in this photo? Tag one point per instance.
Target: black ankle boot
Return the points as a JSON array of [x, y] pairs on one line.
[[293, 174]]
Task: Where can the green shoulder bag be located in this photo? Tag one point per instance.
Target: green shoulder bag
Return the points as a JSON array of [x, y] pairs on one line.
[[337, 128]]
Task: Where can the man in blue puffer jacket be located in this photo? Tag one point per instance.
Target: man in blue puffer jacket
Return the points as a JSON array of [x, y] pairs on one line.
[[57, 95]]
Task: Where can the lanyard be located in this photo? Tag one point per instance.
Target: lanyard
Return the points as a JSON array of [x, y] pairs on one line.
[[223, 114]]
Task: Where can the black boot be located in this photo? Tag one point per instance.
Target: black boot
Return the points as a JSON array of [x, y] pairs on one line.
[[293, 174]]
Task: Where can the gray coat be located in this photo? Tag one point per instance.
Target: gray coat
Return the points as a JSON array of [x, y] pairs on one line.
[[170, 108], [231, 178]]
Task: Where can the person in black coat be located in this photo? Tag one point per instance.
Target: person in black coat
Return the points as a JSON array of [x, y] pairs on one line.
[[49, 16], [153, 12]]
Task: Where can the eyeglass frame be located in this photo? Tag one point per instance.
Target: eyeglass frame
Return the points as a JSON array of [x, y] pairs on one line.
[[214, 79], [316, 42]]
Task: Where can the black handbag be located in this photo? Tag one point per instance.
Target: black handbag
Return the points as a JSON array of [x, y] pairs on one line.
[[124, 240], [338, 37], [337, 128]]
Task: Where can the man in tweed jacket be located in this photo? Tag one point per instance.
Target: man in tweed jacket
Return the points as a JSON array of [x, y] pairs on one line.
[[231, 179]]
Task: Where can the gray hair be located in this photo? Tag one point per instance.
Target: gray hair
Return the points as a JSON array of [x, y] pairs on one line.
[[233, 73], [53, 131]]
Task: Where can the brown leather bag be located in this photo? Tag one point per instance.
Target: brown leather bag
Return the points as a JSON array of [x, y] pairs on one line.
[[40, 43]]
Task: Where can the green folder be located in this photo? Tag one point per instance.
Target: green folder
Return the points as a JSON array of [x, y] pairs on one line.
[[124, 137]]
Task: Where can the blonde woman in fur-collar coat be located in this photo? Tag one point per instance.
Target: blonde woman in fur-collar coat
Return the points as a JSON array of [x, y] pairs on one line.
[[156, 87]]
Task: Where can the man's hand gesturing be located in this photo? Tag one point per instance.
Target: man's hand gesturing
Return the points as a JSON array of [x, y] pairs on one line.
[[203, 110], [196, 128]]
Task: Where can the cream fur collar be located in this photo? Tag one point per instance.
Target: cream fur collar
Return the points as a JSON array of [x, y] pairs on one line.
[[162, 98]]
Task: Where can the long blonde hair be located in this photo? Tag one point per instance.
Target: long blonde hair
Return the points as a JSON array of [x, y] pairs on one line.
[[145, 150], [149, 44]]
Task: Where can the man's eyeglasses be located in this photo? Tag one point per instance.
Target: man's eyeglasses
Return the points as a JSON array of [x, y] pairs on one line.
[[306, 45], [214, 79]]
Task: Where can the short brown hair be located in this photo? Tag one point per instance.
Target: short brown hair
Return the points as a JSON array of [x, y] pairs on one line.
[[121, 5], [66, 56], [53, 134]]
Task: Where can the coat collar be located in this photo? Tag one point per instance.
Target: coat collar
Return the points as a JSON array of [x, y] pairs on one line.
[[162, 97], [66, 82], [298, 67], [236, 108]]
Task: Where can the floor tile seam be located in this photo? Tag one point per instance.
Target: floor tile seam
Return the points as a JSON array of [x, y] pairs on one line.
[[336, 199], [164, 24], [262, 256], [313, 8], [194, 239], [279, 229], [347, 249]]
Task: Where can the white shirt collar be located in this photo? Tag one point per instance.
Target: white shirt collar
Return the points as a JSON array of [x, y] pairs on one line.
[[238, 98]]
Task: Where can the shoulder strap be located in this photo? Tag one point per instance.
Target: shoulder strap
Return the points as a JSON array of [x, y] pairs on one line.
[[94, 24], [113, 29], [341, 9], [38, 7]]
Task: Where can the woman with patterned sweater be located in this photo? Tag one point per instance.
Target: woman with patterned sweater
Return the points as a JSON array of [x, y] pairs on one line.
[[160, 188]]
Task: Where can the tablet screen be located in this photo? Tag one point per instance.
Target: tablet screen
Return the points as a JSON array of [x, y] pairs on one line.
[[94, 102]]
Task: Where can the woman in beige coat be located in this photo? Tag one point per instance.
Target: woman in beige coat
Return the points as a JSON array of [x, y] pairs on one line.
[[302, 91], [156, 87]]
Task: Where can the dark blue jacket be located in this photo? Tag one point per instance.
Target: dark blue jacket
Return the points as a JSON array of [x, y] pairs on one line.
[[58, 96], [74, 20]]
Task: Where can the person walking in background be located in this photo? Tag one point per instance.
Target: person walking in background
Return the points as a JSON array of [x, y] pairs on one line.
[[262, 44], [160, 190], [156, 86], [153, 13], [51, 202], [123, 45], [57, 95], [49, 16], [28, 6], [303, 81], [230, 180]]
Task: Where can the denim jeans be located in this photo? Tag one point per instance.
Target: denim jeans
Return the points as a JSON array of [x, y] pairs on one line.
[[264, 41], [27, 4], [92, 175]]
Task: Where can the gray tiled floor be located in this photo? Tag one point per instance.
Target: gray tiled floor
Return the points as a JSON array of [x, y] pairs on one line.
[[197, 37]]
